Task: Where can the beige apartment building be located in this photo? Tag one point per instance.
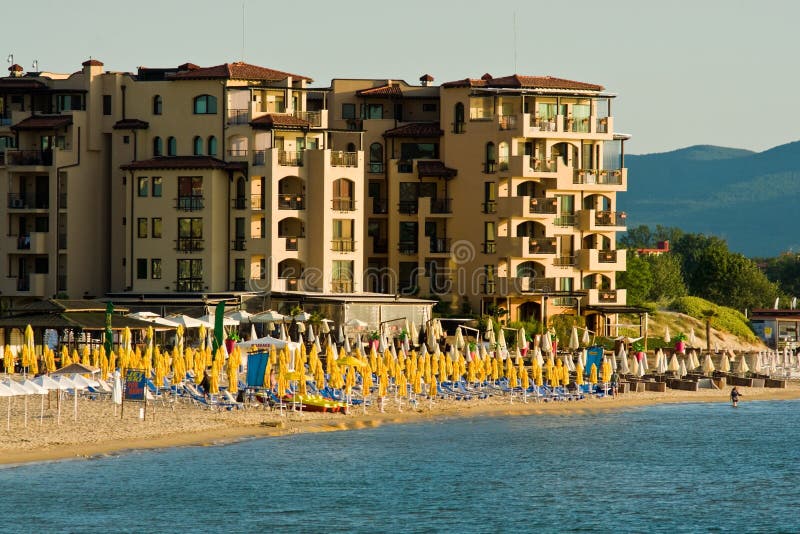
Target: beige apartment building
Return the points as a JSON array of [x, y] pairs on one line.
[[239, 178]]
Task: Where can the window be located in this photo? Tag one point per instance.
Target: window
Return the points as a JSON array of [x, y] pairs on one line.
[[348, 111], [429, 107], [489, 245], [143, 185], [172, 147], [409, 151], [158, 147], [157, 105], [126, 139], [157, 186], [205, 105], [190, 227], [106, 104], [212, 146], [190, 275], [155, 268], [141, 268], [41, 224], [376, 157], [342, 276], [141, 225], [489, 197], [156, 228], [371, 111], [198, 145], [458, 118], [343, 195], [69, 102], [491, 158]]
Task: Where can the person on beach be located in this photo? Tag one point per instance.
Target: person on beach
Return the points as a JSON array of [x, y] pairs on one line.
[[614, 383], [735, 396], [206, 382]]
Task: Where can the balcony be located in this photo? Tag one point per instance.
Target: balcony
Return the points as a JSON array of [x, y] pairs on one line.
[[380, 206], [314, 118], [601, 125], [526, 247], [543, 206], [344, 159], [598, 177], [239, 203], [259, 157], [602, 260], [341, 286], [577, 125], [292, 284], [28, 201], [507, 122], [488, 288], [291, 202], [489, 207], [596, 297], [408, 207], [29, 157], [541, 246], [440, 245], [544, 125], [256, 202], [343, 204], [34, 284], [343, 245], [441, 205], [525, 284], [489, 247], [565, 261], [565, 220], [407, 247], [240, 243], [375, 167], [237, 152], [602, 221], [189, 285], [238, 116], [290, 158], [293, 243], [190, 203], [189, 244], [35, 243]]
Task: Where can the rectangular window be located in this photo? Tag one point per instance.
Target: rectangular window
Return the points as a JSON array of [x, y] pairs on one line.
[[489, 245], [42, 224], [106, 104], [141, 268], [429, 107], [155, 268], [141, 224], [190, 275], [143, 183], [157, 186], [41, 265], [155, 231], [348, 111], [409, 151], [371, 111], [190, 227], [190, 193]]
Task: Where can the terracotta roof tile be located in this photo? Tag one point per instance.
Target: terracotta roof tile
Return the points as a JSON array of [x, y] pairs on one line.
[[20, 84], [43, 122], [278, 120], [92, 63], [426, 78], [183, 162], [383, 90], [416, 129], [131, 124], [236, 71], [434, 168], [526, 82], [15, 68]]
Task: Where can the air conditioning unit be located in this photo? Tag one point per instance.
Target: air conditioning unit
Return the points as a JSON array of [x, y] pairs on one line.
[[17, 203]]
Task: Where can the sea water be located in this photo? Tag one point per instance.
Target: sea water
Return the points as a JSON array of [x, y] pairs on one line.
[[668, 468]]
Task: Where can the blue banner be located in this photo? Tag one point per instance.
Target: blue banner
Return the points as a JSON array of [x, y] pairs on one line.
[[135, 381]]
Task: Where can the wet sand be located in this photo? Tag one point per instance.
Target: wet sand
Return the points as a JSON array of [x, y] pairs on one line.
[[98, 431]]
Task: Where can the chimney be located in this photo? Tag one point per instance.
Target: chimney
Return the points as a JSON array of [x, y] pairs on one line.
[[426, 80], [15, 71]]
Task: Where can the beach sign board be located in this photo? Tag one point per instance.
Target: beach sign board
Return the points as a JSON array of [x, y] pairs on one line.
[[135, 381], [256, 367]]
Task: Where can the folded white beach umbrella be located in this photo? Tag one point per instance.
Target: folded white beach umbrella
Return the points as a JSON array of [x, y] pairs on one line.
[[673, 364], [634, 365], [624, 368], [724, 363], [708, 365], [757, 365], [614, 360], [540, 358], [642, 371], [662, 364], [667, 337], [682, 372], [585, 338], [742, 368]]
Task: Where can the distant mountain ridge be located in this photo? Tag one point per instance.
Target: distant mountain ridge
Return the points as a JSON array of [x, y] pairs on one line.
[[751, 199]]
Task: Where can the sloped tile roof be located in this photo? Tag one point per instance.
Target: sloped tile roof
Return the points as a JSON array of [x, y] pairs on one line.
[[383, 90], [12, 83], [416, 129], [236, 71], [279, 120], [92, 63], [131, 124], [183, 162], [434, 168], [526, 82], [43, 122]]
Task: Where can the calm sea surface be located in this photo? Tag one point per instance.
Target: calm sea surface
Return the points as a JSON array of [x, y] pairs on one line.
[[675, 468]]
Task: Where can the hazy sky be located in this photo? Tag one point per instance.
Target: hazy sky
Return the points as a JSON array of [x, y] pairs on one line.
[[686, 72]]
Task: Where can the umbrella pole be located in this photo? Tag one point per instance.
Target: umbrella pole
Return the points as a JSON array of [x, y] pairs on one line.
[[26, 411], [58, 401], [8, 416], [75, 409], [41, 412]]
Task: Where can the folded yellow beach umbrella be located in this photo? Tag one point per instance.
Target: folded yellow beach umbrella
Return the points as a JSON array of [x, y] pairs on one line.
[[593, 374], [579, 374]]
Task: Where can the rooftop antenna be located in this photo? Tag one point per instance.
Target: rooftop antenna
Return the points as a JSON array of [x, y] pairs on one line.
[[515, 42], [10, 58], [243, 28]]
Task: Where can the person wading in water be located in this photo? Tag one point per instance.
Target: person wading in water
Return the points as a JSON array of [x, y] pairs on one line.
[[735, 396]]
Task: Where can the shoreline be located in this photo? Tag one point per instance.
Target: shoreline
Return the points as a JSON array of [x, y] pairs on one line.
[[219, 428]]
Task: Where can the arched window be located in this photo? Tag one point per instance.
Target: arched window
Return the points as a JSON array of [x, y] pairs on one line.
[[212, 146], [458, 118], [376, 157], [172, 147], [157, 105], [205, 105], [491, 158], [158, 147], [198, 145]]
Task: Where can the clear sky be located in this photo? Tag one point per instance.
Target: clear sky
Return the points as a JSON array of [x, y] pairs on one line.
[[686, 72]]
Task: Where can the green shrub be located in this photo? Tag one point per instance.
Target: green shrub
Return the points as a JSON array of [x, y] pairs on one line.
[[727, 319]]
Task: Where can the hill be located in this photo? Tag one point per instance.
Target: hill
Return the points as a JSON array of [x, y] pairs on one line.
[[748, 198]]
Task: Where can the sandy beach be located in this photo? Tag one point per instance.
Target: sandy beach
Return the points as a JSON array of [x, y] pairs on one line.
[[99, 431]]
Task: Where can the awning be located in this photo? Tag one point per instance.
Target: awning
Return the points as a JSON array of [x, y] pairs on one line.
[[43, 122]]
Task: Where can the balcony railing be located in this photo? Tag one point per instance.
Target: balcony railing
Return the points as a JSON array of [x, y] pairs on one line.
[[407, 247], [344, 159], [290, 158], [380, 206], [237, 152], [489, 206], [256, 202], [375, 167], [28, 201], [239, 203], [343, 204], [314, 118], [490, 247], [238, 116], [459, 127], [189, 285], [342, 286], [526, 284], [292, 243], [380, 245], [408, 207], [343, 245], [544, 125], [490, 167], [62, 241], [190, 203], [24, 283], [542, 165], [607, 295], [239, 243], [441, 205], [291, 202], [602, 125], [440, 245], [610, 218], [543, 205], [607, 256], [292, 284], [259, 157], [564, 261], [542, 246], [565, 219], [24, 242], [189, 244], [598, 176], [405, 167], [507, 122], [502, 163], [29, 157], [488, 287], [577, 125]]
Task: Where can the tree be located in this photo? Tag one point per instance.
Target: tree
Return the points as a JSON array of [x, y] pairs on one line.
[[667, 277], [637, 279], [643, 237], [785, 271]]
